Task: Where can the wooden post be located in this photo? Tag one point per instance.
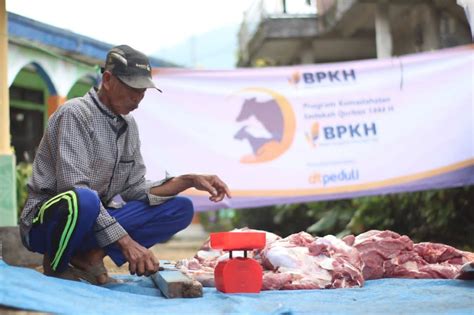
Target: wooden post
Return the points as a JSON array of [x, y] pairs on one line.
[[8, 207], [4, 98]]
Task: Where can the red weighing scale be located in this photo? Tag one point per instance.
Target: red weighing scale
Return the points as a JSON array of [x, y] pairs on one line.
[[239, 274]]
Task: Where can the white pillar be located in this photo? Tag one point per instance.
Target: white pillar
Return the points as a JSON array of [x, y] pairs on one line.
[[383, 35], [468, 6], [431, 36]]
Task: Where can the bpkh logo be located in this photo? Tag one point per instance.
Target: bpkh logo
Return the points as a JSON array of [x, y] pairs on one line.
[[328, 179], [321, 77], [312, 135], [327, 134], [350, 131], [294, 78]]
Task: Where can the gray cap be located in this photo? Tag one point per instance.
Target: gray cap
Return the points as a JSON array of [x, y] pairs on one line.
[[130, 66]]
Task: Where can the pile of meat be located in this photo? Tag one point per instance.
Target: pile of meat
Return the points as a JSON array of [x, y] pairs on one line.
[[302, 261]]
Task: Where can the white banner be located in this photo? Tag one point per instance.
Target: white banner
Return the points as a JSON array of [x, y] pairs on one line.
[[314, 132]]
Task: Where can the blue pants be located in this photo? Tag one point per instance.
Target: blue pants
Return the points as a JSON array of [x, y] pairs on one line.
[[64, 225]]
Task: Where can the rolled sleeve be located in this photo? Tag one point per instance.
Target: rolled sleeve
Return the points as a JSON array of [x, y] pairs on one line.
[[157, 200]]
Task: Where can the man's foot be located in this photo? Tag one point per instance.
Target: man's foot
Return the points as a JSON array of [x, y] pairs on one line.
[[96, 274], [66, 274], [87, 266], [90, 267]]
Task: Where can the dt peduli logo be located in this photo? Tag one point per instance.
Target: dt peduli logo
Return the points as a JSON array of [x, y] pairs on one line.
[[276, 116]]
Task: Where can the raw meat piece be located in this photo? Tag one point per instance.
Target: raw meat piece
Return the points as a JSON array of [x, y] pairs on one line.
[[387, 254], [375, 247], [311, 263]]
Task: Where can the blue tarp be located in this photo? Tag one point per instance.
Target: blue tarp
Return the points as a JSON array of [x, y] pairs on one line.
[[28, 289]]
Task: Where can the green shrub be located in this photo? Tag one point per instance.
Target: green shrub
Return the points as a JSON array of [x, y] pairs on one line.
[[445, 216], [23, 174], [217, 221]]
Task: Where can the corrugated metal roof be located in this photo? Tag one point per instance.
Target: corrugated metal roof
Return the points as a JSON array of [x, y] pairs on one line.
[[65, 42]]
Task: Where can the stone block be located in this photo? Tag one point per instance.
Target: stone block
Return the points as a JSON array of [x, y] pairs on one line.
[[12, 250]]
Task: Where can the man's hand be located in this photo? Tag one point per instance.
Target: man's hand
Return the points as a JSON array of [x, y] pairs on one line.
[[212, 184], [141, 260]]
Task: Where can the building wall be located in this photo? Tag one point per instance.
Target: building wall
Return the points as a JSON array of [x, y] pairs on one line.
[[39, 82], [351, 30], [426, 28]]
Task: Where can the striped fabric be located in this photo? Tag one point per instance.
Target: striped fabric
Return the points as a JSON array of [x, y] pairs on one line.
[[71, 199]]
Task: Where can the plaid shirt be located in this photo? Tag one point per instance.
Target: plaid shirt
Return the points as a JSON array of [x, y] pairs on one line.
[[87, 145]]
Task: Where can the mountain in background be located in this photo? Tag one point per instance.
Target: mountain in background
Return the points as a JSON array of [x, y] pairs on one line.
[[216, 49]]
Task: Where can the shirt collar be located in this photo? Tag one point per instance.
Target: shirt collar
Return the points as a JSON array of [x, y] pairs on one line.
[[102, 107]]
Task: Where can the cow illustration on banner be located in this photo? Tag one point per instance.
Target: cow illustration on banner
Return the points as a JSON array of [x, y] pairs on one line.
[[277, 117]]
